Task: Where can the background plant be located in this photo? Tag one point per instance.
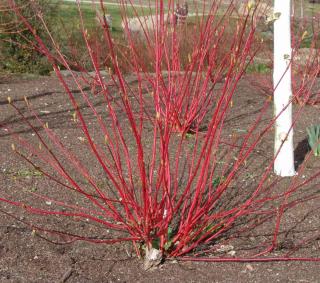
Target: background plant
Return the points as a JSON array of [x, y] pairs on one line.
[[16, 55]]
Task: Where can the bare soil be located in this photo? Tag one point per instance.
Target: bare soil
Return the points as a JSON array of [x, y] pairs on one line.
[[26, 257]]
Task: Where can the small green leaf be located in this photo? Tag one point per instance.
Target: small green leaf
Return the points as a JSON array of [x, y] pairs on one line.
[[314, 138], [217, 181], [156, 244]]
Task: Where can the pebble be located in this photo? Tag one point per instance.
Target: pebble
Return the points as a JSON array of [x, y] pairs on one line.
[[225, 248], [249, 267], [232, 253]]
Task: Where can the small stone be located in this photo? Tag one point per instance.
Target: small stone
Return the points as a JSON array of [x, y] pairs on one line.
[[249, 267], [232, 253], [225, 248], [174, 261]]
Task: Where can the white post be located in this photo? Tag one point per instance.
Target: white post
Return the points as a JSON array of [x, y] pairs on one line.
[[284, 163]]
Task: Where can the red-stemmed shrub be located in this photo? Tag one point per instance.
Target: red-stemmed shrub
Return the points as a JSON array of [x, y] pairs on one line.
[[155, 177]]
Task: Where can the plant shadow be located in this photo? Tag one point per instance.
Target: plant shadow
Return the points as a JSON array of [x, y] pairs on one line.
[[300, 152]]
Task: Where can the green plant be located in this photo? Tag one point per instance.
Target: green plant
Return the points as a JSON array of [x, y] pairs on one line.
[[17, 53], [314, 138], [218, 181], [260, 68]]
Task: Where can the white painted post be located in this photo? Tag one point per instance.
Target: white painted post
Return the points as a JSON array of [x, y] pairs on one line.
[[284, 162]]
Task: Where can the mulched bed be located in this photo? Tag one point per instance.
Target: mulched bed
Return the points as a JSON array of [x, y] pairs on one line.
[[25, 257]]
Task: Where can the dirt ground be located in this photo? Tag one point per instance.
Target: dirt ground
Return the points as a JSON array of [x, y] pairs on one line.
[[26, 257]]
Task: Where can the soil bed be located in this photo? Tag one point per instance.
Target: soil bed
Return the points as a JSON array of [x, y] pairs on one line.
[[26, 257]]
